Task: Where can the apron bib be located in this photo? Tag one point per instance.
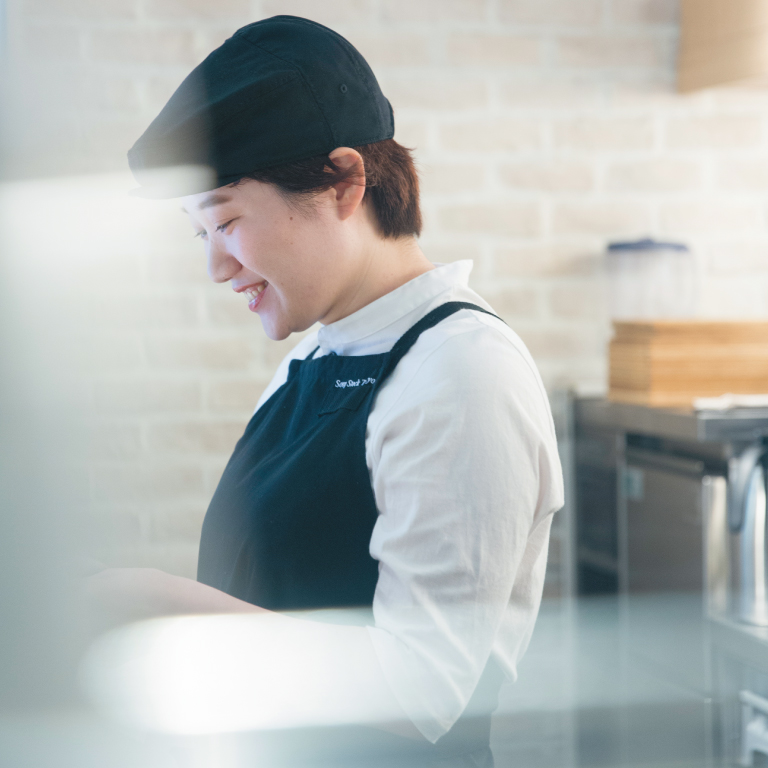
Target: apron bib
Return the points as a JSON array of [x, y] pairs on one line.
[[290, 524]]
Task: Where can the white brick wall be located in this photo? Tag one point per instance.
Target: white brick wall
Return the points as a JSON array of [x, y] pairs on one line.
[[542, 128]]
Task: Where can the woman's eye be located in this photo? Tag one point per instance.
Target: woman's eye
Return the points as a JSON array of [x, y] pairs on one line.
[[203, 235]]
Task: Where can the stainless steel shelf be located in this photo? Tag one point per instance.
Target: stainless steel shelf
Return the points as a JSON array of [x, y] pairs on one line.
[[739, 424]]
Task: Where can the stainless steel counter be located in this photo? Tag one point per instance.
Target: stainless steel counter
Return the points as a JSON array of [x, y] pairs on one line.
[[607, 682], [743, 640], [739, 424], [594, 691]]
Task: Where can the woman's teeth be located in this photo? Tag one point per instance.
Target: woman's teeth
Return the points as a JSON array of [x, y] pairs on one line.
[[251, 293]]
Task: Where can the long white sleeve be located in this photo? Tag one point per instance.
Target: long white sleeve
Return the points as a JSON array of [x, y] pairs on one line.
[[464, 468]]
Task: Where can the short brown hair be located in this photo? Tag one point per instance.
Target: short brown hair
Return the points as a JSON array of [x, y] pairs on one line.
[[391, 180]]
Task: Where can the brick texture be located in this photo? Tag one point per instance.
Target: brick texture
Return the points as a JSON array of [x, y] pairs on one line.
[[611, 219], [572, 92], [711, 217], [570, 342], [451, 178], [434, 10], [435, 93], [657, 175], [478, 50], [85, 10], [604, 133], [127, 482], [393, 49], [547, 261], [744, 174], [561, 175], [738, 258], [492, 135], [186, 10], [146, 395], [144, 46], [576, 13], [235, 395], [644, 11], [337, 12], [542, 129], [715, 131], [514, 303], [217, 437], [193, 354], [513, 219], [593, 51], [579, 300]]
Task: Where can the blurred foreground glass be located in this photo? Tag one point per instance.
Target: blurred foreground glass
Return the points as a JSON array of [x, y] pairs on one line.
[[61, 242], [42, 475]]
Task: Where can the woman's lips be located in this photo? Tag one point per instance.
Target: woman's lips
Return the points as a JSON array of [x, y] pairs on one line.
[[255, 294]]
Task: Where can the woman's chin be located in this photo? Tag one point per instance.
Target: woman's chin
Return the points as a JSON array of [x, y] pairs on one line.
[[275, 335], [275, 330]]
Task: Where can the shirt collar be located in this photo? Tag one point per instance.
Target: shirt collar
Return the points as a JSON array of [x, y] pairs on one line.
[[394, 306]]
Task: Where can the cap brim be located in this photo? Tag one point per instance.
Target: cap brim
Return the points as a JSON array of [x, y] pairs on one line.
[[177, 181]]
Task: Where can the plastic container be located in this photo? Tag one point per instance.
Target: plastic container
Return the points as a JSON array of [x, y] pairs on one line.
[[649, 280]]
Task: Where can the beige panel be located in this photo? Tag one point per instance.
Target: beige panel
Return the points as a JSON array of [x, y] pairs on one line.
[[698, 21], [722, 41]]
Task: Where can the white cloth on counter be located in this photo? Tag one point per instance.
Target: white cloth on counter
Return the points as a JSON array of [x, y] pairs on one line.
[[462, 455], [729, 401]]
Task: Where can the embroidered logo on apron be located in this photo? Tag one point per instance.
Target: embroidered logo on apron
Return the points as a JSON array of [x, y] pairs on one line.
[[354, 383]]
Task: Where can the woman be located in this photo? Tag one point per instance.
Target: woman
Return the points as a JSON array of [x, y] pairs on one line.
[[403, 457]]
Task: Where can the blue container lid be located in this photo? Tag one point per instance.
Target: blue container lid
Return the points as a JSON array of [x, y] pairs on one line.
[[646, 244]]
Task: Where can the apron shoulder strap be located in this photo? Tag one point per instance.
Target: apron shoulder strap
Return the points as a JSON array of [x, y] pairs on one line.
[[409, 338]]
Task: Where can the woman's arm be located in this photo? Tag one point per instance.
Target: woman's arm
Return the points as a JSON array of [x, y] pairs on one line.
[[465, 471], [116, 596], [340, 658]]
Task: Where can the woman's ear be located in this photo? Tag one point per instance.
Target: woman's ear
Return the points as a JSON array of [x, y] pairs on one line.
[[348, 194]]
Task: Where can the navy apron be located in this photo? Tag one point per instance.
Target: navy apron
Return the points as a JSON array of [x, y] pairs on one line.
[[290, 524]]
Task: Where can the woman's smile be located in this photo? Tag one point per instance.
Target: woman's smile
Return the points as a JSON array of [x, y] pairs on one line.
[[254, 294]]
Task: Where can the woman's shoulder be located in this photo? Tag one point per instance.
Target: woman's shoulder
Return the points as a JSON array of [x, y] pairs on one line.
[[470, 363], [477, 349], [468, 382]]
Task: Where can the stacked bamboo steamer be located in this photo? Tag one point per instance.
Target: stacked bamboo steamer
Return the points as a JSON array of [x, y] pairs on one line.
[[669, 363]]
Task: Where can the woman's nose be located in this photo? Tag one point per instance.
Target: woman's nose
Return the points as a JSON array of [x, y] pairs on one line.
[[222, 265]]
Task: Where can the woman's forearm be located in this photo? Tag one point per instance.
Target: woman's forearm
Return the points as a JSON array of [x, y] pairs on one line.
[[337, 659], [116, 596], [189, 596]]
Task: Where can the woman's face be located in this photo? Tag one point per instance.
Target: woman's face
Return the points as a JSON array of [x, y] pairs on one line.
[[292, 266]]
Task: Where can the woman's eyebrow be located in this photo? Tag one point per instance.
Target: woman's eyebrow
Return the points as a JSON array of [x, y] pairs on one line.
[[210, 201]]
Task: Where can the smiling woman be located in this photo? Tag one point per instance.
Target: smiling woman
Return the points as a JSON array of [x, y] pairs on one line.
[[310, 253], [402, 460]]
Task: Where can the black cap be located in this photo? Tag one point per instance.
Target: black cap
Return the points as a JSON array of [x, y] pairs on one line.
[[277, 91]]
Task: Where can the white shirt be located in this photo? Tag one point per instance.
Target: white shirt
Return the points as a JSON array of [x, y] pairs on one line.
[[462, 455]]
